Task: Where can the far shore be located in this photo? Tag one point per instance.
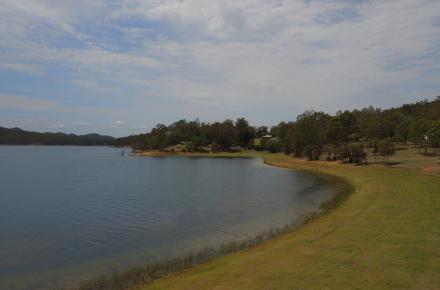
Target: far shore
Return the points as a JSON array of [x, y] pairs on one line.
[[222, 154]]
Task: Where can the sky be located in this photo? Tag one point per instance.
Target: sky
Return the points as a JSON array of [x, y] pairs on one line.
[[120, 67]]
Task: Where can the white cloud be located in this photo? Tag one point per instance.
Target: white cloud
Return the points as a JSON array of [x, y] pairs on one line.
[[84, 124], [136, 33], [24, 103], [247, 19], [223, 58], [21, 67], [116, 124], [57, 126]]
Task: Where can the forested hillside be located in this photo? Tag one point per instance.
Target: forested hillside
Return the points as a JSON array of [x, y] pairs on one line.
[[16, 136], [344, 135]]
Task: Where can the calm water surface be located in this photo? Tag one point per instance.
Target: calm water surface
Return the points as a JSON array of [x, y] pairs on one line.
[[67, 213]]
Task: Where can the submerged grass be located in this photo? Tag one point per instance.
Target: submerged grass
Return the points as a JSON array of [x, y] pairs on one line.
[[143, 275]]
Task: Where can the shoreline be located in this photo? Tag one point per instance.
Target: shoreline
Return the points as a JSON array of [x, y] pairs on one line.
[[175, 265], [382, 236], [156, 153]]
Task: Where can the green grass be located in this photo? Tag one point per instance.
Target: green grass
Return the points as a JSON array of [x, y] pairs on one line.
[[386, 235]]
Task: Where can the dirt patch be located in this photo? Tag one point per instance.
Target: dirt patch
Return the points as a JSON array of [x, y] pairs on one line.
[[431, 168]]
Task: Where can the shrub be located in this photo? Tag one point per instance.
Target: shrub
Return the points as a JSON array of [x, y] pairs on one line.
[[313, 152], [386, 148], [330, 149], [352, 153], [357, 154]]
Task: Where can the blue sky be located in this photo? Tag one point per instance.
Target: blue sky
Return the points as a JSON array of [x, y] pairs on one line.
[[120, 67]]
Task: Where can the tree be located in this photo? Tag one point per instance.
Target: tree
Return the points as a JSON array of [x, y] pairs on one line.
[[403, 129], [197, 142], [393, 122], [311, 128], [370, 123], [158, 136], [344, 125], [287, 145], [223, 134], [284, 133], [281, 130], [352, 153], [244, 132], [374, 143], [419, 131], [273, 145], [312, 152], [357, 154], [386, 148], [434, 135], [330, 149], [173, 138], [262, 131]]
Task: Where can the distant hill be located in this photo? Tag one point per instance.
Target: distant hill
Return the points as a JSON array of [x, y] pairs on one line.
[[17, 136]]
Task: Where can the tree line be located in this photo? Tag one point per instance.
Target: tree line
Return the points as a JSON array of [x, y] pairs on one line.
[[343, 136], [221, 135]]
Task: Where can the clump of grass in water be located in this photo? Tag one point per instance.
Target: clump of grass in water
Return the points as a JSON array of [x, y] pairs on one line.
[[142, 275]]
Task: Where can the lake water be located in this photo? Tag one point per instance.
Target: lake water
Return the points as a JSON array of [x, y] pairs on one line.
[[68, 213]]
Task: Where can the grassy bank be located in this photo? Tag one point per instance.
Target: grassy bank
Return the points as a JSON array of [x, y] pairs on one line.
[[385, 236]]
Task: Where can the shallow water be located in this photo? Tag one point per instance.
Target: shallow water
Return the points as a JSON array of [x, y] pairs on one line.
[[68, 213]]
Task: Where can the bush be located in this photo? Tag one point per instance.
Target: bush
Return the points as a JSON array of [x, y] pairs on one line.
[[357, 154], [434, 135], [196, 143], [313, 152], [331, 151], [386, 148], [271, 145], [352, 153]]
